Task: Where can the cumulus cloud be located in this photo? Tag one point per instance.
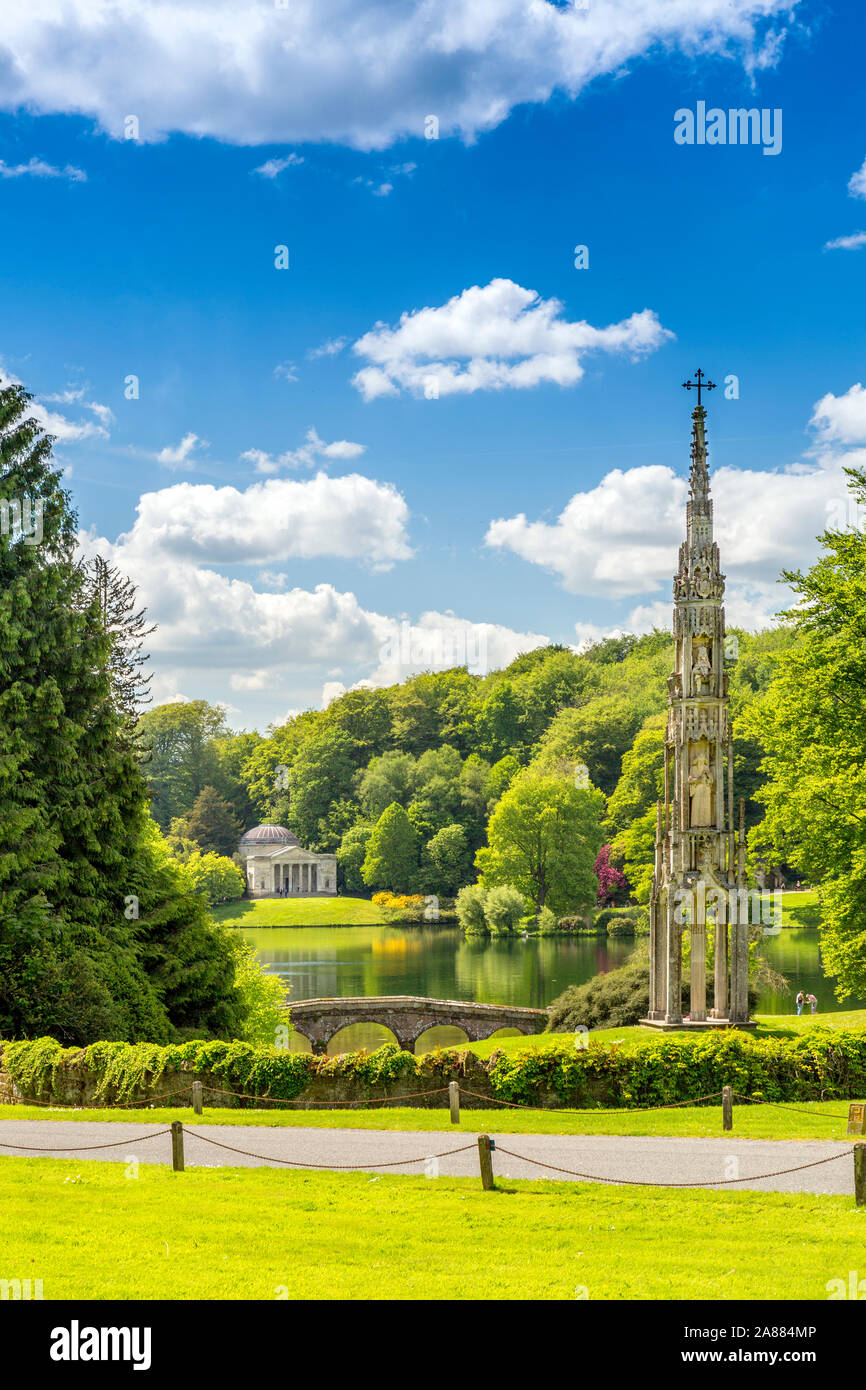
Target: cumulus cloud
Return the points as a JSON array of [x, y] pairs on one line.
[[857, 182], [351, 72], [245, 638], [251, 680], [38, 169], [440, 641], [842, 418], [179, 455], [309, 455], [490, 338], [620, 538], [351, 518]]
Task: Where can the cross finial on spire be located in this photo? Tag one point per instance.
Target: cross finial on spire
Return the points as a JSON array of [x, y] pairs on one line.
[[700, 384]]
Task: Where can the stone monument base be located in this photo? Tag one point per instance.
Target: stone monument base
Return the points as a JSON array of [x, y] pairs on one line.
[[703, 1025]]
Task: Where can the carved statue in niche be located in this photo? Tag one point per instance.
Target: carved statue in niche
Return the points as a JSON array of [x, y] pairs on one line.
[[701, 669], [700, 786]]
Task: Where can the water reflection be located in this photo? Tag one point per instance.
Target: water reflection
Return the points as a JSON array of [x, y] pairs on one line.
[[440, 963]]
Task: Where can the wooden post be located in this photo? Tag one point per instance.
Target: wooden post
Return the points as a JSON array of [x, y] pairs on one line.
[[860, 1175], [727, 1108], [177, 1146], [454, 1101], [196, 1097], [486, 1162]]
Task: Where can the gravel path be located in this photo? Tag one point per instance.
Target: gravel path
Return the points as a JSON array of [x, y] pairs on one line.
[[636, 1159]]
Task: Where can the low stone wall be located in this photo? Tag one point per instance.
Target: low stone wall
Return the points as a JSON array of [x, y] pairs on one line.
[[74, 1083]]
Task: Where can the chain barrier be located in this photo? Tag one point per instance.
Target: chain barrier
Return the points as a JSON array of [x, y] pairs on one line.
[[156, 1101], [81, 1148], [331, 1167], [558, 1110], [635, 1182], [796, 1109]]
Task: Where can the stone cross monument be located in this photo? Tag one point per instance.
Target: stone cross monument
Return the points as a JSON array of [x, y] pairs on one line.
[[699, 882]]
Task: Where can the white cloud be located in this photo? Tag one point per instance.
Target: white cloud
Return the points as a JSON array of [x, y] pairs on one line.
[[307, 456], [329, 348], [350, 71], [64, 430], [842, 418], [846, 243], [439, 641], [620, 538], [272, 167], [251, 680], [286, 370], [857, 182], [37, 168], [489, 338], [352, 518], [178, 455]]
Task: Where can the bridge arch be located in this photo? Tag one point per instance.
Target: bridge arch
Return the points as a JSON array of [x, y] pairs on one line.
[[359, 1037], [456, 1037], [407, 1018]]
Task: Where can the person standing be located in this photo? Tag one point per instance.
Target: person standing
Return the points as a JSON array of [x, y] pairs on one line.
[[801, 999], [812, 1002]]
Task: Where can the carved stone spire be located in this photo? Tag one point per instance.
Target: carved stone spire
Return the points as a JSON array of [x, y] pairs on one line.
[[698, 850]]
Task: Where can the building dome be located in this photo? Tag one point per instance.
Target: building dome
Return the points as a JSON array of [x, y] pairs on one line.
[[268, 837]]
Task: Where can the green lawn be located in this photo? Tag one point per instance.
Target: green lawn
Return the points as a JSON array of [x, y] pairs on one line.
[[801, 909], [769, 1026], [89, 1231], [809, 1120], [300, 912]]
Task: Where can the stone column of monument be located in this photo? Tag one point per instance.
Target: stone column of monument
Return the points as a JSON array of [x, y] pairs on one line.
[[699, 858]]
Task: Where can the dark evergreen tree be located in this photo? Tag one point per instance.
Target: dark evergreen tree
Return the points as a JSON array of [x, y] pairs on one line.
[[213, 823], [78, 958]]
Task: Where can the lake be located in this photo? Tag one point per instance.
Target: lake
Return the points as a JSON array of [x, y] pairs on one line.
[[440, 963]]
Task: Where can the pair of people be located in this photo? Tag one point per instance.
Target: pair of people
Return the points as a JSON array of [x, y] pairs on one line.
[[803, 999]]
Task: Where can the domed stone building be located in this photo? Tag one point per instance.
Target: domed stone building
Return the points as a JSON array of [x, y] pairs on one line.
[[277, 866]]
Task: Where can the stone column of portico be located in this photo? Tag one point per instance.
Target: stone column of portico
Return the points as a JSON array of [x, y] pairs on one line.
[[698, 973], [720, 981], [674, 943], [740, 975]]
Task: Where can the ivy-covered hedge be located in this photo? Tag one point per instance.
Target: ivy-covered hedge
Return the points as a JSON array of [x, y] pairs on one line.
[[823, 1064]]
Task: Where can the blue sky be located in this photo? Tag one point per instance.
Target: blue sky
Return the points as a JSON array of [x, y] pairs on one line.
[[155, 258]]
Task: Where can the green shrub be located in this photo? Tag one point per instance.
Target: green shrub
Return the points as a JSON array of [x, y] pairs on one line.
[[503, 908], [547, 923], [823, 1064], [578, 926], [470, 909], [617, 999]]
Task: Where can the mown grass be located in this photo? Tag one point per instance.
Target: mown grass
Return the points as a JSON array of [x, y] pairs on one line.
[[300, 912], [824, 1120], [769, 1026], [89, 1231]]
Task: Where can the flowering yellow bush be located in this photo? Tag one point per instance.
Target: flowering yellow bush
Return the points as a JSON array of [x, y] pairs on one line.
[[399, 900]]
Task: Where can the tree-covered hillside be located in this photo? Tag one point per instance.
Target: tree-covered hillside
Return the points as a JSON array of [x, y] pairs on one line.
[[402, 782]]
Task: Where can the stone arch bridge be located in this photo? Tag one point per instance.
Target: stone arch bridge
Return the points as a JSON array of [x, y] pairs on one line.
[[407, 1016]]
